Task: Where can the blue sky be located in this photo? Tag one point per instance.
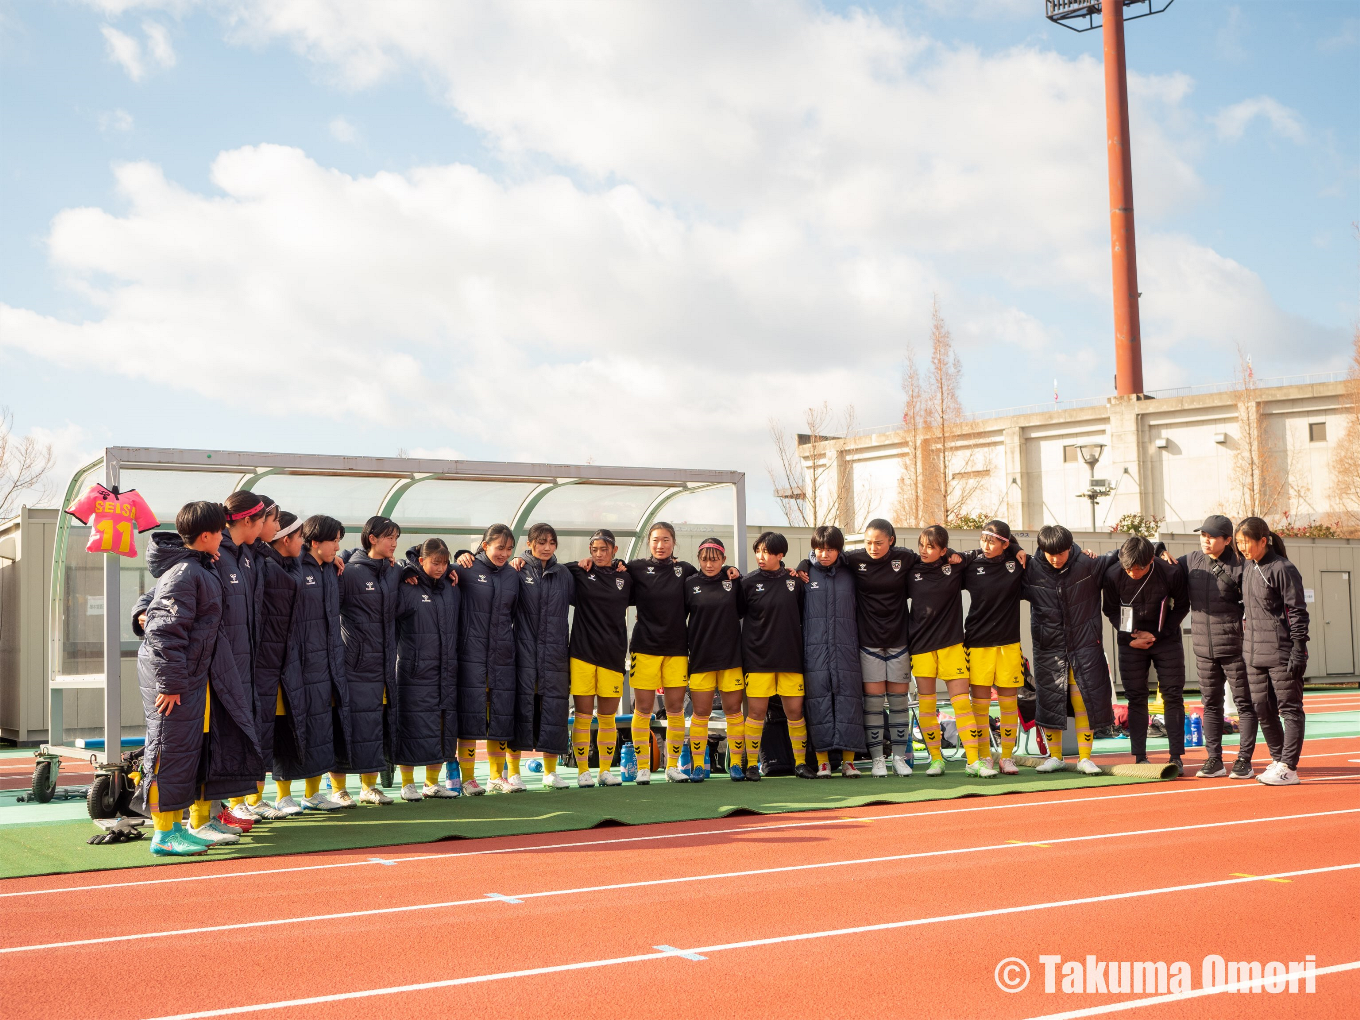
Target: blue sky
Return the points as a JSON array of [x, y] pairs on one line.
[[642, 236]]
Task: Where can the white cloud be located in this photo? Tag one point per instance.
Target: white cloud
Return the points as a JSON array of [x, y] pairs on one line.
[[115, 120], [1232, 121], [158, 43], [125, 51], [343, 131]]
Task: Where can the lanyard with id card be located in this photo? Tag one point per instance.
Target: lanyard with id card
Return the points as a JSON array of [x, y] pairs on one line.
[[1126, 609]]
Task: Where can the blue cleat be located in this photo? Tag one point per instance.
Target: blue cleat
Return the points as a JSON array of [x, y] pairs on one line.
[[737, 774]]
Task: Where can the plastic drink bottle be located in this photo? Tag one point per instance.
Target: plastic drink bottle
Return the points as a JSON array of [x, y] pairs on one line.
[[628, 766]]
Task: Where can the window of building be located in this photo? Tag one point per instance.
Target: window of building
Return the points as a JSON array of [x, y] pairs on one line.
[[1069, 455], [1317, 432]]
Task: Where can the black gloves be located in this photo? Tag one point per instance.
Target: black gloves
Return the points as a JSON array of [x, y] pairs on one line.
[[1298, 660]]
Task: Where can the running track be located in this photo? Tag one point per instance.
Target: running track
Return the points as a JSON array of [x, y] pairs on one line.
[[882, 911]]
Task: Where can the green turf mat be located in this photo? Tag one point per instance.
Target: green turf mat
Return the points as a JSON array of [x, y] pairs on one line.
[[60, 847]]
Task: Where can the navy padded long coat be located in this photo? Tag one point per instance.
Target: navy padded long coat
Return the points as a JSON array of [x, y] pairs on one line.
[[368, 610], [486, 649], [273, 668], [542, 663], [1065, 622], [427, 667], [834, 688]]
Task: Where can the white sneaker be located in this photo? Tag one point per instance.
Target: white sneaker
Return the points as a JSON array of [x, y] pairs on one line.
[[552, 781], [1279, 775], [373, 795], [880, 768], [243, 812], [320, 802], [472, 788], [1050, 764], [585, 780], [1087, 767], [433, 791], [900, 765], [287, 807], [824, 770], [343, 799], [675, 774], [219, 834], [1008, 767], [608, 778], [644, 777], [515, 784], [410, 791]]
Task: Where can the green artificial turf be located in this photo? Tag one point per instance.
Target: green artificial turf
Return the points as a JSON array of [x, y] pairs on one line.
[[59, 847]]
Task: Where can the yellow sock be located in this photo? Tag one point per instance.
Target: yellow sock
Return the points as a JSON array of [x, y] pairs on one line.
[[285, 787], [201, 813], [798, 738], [642, 739], [982, 722], [755, 729], [408, 775], [311, 787], [164, 821], [512, 762], [580, 741], [467, 759], [675, 738], [929, 715], [432, 775], [1084, 734], [963, 723], [549, 764], [258, 795], [607, 739], [698, 740], [1054, 740], [495, 754], [338, 781], [822, 759], [736, 738], [1010, 724], [368, 780], [235, 801]]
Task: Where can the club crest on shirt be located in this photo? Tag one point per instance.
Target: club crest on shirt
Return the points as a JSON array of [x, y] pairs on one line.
[[1010, 567], [790, 582], [727, 586], [896, 565], [677, 571], [947, 570], [618, 583]]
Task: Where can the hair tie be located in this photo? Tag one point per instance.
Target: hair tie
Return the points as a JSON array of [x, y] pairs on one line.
[[285, 532], [713, 545], [244, 513]]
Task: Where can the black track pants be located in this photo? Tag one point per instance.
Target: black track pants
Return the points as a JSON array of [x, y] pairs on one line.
[[1214, 676], [1278, 700], [1169, 658]]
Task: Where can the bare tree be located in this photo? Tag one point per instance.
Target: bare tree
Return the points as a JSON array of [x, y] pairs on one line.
[[909, 509], [1261, 482], [810, 488], [24, 464], [1346, 454]]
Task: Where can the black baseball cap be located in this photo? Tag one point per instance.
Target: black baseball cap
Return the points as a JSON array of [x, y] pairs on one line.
[[1216, 525]]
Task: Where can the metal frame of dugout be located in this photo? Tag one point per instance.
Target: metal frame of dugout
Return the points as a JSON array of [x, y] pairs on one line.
[[359, 487]]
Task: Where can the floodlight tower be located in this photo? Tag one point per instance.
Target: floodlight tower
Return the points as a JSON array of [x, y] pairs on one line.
[[1080, 16]]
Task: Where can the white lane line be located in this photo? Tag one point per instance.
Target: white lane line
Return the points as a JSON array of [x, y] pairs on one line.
[[1005, 803], [683, 953], [1250, 985], [749, 944], [517, 898]]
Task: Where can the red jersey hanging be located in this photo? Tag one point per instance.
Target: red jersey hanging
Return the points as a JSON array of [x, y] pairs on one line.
[[114, 519]]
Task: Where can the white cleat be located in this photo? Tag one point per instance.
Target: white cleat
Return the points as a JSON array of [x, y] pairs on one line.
[[287, 807], [433, 791], [644, 777], [1049, 764], [472, 788], [880, 768], [675, 774], [608, 778], [552, 781], [585, 780], [343, 799], [900, 765], [217, 833], [1008, 767], [410, 791], [498, 785], [936, 767], [515, 784], [265, 811], [320, 802], [981, 769], [243, 812], [1087, 767], [373, 795]]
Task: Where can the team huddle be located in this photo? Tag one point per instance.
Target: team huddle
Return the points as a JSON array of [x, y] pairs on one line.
[[266, 651]]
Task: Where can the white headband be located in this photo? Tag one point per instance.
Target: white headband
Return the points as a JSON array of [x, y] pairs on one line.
[[285, 532]]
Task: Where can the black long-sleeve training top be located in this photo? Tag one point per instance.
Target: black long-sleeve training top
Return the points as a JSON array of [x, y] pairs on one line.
[[936, 592], [772, 632], [715, 606], [659, 594], [1159, 599], [994, 589], [599, 630], [881, 595]]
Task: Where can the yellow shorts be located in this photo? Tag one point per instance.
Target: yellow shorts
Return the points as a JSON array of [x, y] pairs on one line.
[[764, 685], [997, 666], [945, 664], [725, 680], [649, 672], [587, 680]]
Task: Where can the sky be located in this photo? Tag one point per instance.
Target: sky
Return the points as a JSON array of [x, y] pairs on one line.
[[635, 233]]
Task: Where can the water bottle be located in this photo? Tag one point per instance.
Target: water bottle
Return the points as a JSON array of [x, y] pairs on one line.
[[628, 766], [1189, 740], [685, 759], [535, 766], [1197, 728]]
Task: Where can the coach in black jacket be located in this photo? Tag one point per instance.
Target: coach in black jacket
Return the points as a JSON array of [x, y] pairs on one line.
[[1213, 578], [1145, 601]]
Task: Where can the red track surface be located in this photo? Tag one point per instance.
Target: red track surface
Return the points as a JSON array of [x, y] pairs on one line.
[[968, 856]]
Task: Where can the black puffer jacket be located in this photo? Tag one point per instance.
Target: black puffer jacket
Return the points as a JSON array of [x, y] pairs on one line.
[[184, 613], [486, 649], [1065, 624], [1275, 624], [834, 705], [368, 609], [542, 669], [235, 760], [273, 667], [427, 667], [1215, 587], [320, 709]]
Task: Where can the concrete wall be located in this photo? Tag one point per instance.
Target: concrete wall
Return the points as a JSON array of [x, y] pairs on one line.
[[26, 544]]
